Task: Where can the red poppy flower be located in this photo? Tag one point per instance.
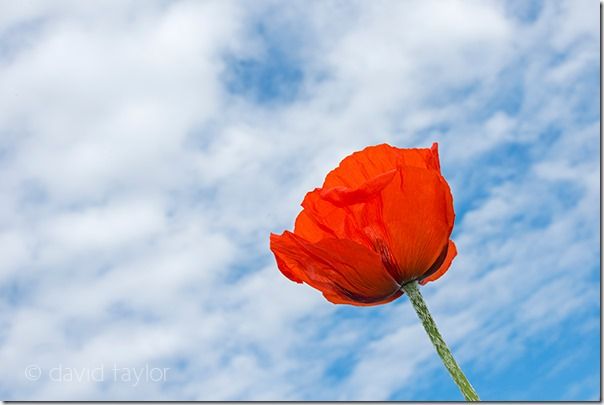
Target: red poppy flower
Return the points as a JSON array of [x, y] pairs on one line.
[[382, 218]]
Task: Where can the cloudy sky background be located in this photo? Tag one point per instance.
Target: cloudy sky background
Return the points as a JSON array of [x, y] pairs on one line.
[[148, 148]]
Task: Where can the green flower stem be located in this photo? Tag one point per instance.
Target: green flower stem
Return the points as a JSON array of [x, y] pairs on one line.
[[421, 309]]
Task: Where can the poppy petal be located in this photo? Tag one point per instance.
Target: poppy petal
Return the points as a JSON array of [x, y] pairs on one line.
[[308, 228], [339, 299], [354, 214], [339, 222], [451, 252], [343, 270], [418, 211], [321, 216], [372, 161], [342, 196]]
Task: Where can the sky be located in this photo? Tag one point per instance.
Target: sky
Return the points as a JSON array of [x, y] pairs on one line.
[[148, 149]]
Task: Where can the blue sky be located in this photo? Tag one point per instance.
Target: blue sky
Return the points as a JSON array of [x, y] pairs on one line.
[[147, 150]]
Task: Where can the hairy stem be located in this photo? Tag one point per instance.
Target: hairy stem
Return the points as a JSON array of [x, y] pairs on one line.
[[443, 351]]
